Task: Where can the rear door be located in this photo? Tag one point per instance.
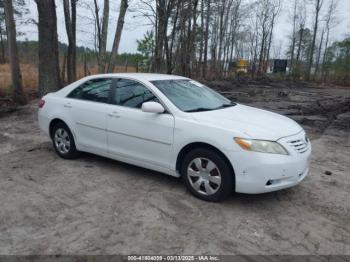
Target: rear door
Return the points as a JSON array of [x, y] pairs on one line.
[[87, 105], [132, 133]]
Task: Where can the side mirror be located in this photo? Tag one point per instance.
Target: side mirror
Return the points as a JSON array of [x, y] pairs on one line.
[[152, 107]]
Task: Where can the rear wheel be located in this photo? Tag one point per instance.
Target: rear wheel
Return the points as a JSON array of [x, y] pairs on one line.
[[63, 141], [207, 175]]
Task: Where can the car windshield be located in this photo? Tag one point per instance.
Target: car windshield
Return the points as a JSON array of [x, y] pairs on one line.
[[191, 96]]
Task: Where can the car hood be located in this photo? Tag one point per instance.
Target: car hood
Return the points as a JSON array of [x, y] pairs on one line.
[[250, 122]]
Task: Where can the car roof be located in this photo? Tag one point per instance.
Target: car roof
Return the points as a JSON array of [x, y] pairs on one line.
[[141, 76]]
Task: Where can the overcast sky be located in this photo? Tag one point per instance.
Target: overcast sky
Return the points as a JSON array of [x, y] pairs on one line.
[[136, 26]]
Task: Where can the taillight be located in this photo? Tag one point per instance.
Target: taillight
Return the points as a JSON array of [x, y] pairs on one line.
[[41, 103]]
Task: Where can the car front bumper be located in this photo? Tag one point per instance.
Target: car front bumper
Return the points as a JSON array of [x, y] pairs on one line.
[[262, 172]]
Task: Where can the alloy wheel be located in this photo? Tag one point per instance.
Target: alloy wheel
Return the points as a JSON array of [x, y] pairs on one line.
[[62, 141]]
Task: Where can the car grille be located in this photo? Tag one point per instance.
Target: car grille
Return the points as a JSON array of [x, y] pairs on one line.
[[299, 145]]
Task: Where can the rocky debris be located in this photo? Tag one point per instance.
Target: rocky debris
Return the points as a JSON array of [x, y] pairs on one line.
[[328, 173], [317, 107]]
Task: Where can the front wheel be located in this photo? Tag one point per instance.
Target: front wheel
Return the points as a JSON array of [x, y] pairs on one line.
[[63, 141], [207, 175]]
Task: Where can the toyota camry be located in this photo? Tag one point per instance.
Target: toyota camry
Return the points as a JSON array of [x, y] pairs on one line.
[[179, 127]]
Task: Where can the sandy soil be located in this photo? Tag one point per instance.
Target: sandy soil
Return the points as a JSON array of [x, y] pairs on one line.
[[94, 205]]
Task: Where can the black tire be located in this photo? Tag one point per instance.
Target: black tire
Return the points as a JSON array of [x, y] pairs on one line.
[[72, 153], [227, 175]]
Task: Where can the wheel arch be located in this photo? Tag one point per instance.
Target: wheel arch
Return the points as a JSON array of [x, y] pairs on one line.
[[55, 121], [187, 148]]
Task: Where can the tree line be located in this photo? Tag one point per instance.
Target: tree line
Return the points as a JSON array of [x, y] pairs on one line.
[[201, 38], [195, 38]]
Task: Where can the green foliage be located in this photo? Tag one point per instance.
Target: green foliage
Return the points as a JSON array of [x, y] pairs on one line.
[[303, 40], [28, 53], [133, 59], [338, 61], [279, 76], [304, 44], [145, 45]]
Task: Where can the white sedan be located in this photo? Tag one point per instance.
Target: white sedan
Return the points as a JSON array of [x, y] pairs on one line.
[[180, 127]]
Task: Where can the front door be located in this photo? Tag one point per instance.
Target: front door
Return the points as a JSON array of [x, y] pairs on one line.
[[132, 133]]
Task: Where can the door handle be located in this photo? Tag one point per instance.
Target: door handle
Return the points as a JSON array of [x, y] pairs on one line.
[[68, 105], [114, 114]]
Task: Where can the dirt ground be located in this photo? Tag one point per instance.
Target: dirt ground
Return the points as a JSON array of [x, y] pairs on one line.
[[94, 205]]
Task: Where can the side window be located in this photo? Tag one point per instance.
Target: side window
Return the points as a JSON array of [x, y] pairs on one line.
[[132, 94], [96, 90]]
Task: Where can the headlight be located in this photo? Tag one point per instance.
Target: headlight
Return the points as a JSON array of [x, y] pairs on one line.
[[262, 146]]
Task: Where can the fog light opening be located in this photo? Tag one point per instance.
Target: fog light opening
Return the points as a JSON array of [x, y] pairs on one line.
[[272, 182]]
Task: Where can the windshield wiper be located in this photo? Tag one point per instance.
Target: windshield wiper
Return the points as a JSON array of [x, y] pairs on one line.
[[226, 105], [199, 109]]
